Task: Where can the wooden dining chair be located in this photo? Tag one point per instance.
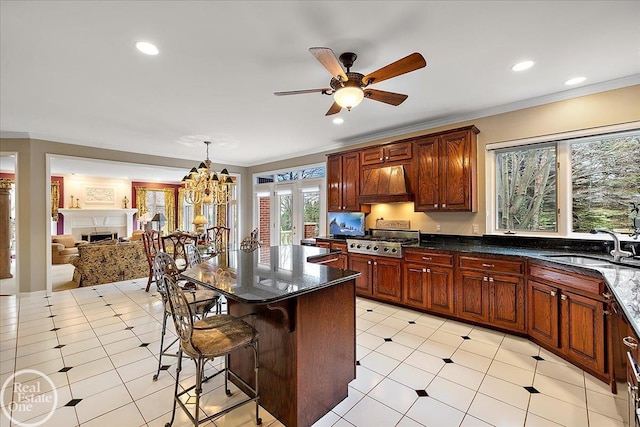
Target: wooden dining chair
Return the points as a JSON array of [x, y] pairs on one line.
[[152, 245], [218, 238], [175, 245]]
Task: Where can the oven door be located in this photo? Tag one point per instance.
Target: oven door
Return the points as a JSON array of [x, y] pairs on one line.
[[632, 386]]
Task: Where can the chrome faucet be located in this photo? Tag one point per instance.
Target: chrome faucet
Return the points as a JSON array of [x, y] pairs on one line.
[[617, 253]]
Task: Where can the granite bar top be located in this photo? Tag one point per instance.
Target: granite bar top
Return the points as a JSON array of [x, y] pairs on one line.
[[268, 274]]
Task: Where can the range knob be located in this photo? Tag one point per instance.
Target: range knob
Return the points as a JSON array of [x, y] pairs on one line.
[[353, 245], [375, 248], [394, 250], [386, 249], [359, 246], [368, 247]]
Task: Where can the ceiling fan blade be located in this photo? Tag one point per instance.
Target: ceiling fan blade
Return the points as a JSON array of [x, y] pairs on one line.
[[326, 90], [384, 96], [409, 63], [328, 59], [335, 109]]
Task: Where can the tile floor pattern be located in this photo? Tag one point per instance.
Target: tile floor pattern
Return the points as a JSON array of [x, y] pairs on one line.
[[99, 347]]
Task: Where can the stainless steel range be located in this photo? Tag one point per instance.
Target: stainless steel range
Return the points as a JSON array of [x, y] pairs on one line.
[[387, 243]]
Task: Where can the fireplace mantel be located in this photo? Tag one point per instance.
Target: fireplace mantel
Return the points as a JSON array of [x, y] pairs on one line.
[[84, 221]]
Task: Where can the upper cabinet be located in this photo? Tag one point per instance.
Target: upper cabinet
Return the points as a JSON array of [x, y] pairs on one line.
[[343, 182], [386, 153], [445, 166]]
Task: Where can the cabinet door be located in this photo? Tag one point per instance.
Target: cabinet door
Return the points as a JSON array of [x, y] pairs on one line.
[[387, 279], [397, 151], [583, 330], [455, 171], [372, 156], [440, 289], [427, 187], [414, 291], [334, 183], [350, 182], [543, 313], [473, 296], [364, 265], [507, 302]]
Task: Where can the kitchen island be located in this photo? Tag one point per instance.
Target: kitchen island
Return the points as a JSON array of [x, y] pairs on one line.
[[306, 321]]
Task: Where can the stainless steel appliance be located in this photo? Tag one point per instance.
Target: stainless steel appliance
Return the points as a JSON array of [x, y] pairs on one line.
[[633, 378], [387, 243]]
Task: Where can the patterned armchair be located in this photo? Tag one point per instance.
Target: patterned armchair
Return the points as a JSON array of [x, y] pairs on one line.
[[109, 262]]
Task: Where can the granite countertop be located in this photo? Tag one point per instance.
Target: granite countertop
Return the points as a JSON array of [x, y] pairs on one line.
[[268, 274]]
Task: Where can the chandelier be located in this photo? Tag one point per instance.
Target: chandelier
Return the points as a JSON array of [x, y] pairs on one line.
[[202, 185]]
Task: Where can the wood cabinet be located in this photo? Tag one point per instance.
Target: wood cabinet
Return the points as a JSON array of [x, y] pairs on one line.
[[567, 315], [386, 153], [381, 277], [343, 182], [428, 280], [445, 165], [491, 291], [335, 259]]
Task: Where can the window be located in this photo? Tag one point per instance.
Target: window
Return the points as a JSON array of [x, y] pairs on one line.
[[290, 204], [526, 189], [572, 184]]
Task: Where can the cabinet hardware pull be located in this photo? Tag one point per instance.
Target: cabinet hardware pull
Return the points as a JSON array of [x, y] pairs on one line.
[[484, 279], [427, 258], [435, 206], [428, 270], [381, 158], [607, 295], [444, 205], [630, 342], [488, 265], [387, 157], [375, 262], [552, 293], [424, 270], [563, 297], [369, 262], [491, 279], [605, 312]]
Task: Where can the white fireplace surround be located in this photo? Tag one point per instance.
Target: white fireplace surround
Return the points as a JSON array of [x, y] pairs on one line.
[[85, 221]]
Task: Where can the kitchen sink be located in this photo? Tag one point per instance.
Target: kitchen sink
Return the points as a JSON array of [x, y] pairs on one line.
[[580, 260]]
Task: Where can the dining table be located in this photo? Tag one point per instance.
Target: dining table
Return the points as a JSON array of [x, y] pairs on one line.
[[305, 317]]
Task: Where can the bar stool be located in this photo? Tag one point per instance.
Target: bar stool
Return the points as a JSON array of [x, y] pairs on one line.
[[201, 300], [204, 340]]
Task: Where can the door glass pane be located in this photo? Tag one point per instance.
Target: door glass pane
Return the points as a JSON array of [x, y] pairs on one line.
[[264, 219], [285, 202], [311, 207]]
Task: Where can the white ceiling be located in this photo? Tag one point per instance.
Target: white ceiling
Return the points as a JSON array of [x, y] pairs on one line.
[[69, 71]]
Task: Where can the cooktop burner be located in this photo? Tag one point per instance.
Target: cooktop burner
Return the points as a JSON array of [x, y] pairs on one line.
[[383, 242]]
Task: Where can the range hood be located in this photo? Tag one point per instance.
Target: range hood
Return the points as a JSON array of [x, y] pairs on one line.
[[384, 185]]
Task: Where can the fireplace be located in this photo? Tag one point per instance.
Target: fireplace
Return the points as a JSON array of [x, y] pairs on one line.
[[94, 224], [97, 236]]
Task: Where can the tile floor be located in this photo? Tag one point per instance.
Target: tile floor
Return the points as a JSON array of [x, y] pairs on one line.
[[99, 345]]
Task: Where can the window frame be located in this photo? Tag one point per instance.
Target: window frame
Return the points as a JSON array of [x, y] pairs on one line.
[[563, 179]]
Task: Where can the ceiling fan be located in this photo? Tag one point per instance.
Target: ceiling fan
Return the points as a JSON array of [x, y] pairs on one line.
[[348, 89]]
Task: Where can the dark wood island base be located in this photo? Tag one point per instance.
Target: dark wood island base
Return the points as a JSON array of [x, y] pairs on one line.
[[307, 353]]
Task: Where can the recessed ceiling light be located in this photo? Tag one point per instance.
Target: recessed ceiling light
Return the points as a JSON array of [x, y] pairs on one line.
[[575, 81], [338, 121], [147, 48], [521, 66]]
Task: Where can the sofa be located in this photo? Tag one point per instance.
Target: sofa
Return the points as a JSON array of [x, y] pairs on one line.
[[109, 261], [64, 247]]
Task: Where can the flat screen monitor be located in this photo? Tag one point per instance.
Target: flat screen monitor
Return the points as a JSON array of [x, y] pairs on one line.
[[346, 223]]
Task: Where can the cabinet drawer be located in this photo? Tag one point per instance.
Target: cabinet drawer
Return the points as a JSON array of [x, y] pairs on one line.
[[492, 265], [428, 257], [339, 247], [567, 279]]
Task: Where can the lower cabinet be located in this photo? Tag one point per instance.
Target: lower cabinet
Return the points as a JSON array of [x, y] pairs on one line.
[[381, 277], [428, 281], [568, 316], [491, 291]]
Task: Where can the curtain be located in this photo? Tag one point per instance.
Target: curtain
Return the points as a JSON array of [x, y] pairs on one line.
[[170, 208], [141, 201], [180, 207], [55, 199]]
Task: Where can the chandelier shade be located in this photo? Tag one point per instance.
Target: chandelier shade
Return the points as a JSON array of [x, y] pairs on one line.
[[205, 186]]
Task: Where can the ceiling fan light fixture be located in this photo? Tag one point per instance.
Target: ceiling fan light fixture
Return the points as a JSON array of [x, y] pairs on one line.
[[147, 48], [348, 96]]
